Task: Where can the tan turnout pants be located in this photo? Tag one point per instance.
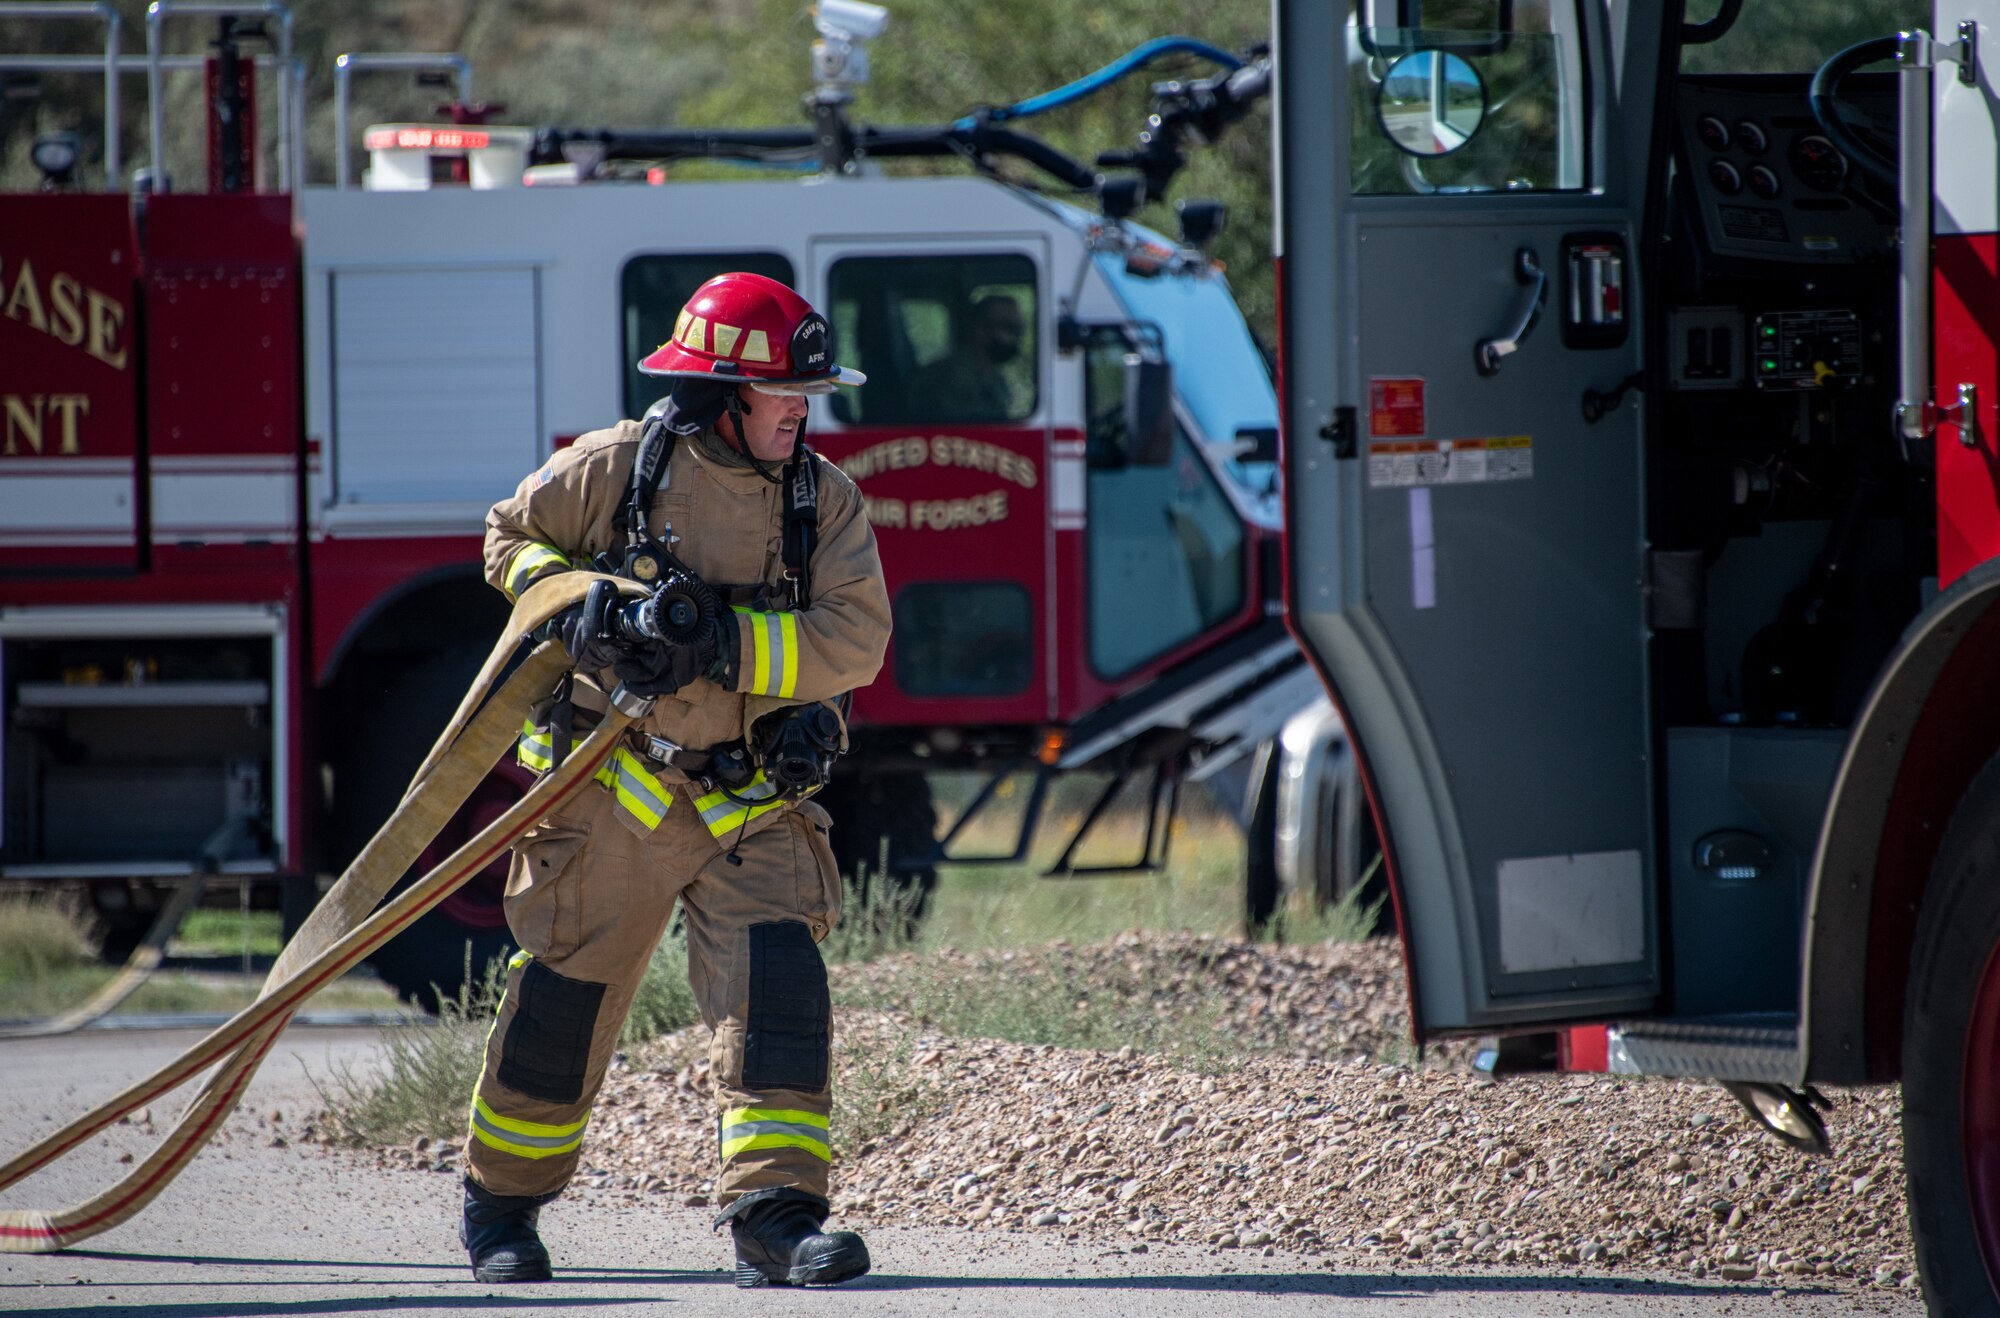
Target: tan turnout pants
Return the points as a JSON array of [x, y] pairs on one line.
[[588, 896]]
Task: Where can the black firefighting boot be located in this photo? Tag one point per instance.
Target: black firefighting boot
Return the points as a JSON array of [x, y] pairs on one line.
[[498, 1231], [779, 1243]]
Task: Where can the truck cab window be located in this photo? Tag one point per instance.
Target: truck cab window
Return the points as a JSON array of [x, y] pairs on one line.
[[653, 288], [1466, 96], [1779, 38], [942, 338], [1165, 548]]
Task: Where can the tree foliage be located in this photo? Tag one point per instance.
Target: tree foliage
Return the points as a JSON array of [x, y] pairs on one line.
[[704, 62], [748, 63]]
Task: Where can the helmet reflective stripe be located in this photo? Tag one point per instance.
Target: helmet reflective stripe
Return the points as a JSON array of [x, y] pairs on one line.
[[774, 653], [524, 1139], [639, 793], [751, 329], [529, 560], [746, 1128]]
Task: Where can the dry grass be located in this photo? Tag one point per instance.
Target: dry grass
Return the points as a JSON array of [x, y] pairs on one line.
[[427, 1071], [426, 1076], [41, 935]]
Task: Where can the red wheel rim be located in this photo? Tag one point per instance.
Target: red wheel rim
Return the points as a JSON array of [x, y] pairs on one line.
[[479, 903], [1979, 1108]]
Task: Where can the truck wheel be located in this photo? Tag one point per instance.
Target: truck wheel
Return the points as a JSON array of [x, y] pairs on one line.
[[1260, 836], [1951, 1063], [431, 956], [1357, 856], [871, 810]]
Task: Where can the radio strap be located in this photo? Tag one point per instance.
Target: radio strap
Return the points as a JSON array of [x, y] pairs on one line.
[[801, 525]]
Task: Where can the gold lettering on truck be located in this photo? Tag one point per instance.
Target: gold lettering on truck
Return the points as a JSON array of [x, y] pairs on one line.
[[27, 417], [72, 313]]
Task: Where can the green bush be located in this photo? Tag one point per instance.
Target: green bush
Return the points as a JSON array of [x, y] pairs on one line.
[[876, 919], [663, 1001], [427, 1076]]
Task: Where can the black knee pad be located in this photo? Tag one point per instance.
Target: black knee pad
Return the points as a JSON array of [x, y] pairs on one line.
[[546, 1053], [789, 1028]]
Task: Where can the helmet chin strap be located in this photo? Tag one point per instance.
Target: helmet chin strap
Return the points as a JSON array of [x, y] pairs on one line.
[[734, 403]]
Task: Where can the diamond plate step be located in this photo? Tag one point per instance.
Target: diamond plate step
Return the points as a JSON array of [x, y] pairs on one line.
[[1762, 1047]]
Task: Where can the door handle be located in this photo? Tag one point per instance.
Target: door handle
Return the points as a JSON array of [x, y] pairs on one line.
[[1487, 354]]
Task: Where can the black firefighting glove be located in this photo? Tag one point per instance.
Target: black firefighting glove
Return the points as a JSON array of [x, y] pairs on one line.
[[664, 665], [590, 651], [656, 668]]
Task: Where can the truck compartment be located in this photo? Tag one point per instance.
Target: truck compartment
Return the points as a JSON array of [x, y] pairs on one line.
[[131, 757]]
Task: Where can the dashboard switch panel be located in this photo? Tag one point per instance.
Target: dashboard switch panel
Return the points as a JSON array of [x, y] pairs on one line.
[[1707, 348], [1805, 350]]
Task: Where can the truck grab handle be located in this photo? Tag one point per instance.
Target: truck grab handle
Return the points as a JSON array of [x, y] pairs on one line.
[[1487, 354]]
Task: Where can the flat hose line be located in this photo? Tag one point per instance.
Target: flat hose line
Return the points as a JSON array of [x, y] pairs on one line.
[[341, 930]]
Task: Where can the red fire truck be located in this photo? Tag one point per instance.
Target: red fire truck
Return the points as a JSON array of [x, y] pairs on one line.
[[250, 436], [1643, 509]]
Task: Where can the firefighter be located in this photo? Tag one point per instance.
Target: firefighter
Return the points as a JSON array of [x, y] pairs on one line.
[[785, 608], [971, 384]]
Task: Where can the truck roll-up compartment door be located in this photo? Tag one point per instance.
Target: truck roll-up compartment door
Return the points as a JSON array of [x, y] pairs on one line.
[[1459, 259], [436, 394]]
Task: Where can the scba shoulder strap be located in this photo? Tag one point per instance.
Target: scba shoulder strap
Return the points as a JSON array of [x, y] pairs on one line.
[[649, 468], [800, 526]]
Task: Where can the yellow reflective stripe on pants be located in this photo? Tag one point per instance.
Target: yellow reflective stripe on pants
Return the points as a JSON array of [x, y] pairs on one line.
[[774, 653], [745, 1129], [724, 815], [524, 1139], [528, 560], [639, 793]]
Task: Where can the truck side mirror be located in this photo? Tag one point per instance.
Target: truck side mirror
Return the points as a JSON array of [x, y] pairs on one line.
[[1149, 410]]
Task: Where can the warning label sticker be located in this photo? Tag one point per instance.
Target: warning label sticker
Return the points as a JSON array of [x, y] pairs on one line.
[[1411, 462], [1395, 406]]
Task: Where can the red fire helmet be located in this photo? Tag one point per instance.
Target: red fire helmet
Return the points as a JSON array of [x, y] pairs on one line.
[[746, 327]]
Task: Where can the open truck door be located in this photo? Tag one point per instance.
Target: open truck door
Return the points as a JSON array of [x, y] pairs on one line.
[[1460, 226]]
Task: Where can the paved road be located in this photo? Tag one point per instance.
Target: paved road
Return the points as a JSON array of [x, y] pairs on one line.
[[252, 1230]]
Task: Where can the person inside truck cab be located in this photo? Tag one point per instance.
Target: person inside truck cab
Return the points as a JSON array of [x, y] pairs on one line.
[[767, 606], [970, 383]]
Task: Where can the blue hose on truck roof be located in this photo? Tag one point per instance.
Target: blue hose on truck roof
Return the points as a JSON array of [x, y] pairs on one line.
[[1089, 83]]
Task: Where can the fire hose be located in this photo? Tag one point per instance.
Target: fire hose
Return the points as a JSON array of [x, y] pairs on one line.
[[340, 931]]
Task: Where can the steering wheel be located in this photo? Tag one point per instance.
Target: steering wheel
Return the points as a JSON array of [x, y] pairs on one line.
[[1824, 94]]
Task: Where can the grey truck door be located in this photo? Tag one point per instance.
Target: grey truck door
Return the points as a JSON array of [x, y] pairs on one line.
[[1460, 232]]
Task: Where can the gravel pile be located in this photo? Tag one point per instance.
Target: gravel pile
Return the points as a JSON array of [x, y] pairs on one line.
[[1303, 1141]]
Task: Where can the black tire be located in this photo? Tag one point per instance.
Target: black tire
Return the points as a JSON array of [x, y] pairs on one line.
[[1358, 862], [1260, 833], [120, 926], [872, 811], [469, 929], [1952, 1003]]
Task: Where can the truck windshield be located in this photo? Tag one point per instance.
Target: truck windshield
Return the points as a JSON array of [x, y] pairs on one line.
[[1219, 374], [1778, 36]]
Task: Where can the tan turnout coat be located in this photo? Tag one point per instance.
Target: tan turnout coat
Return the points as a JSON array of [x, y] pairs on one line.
[[726, 522]]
